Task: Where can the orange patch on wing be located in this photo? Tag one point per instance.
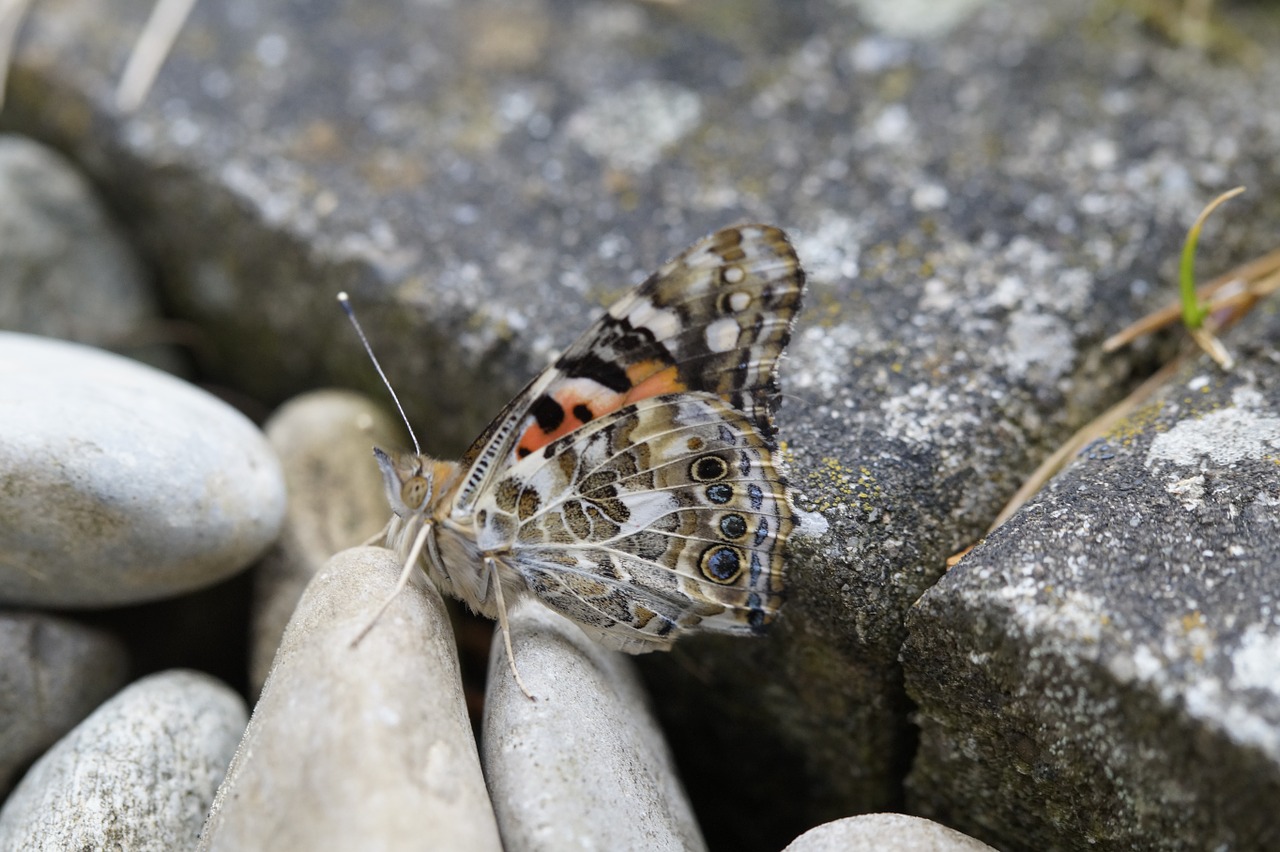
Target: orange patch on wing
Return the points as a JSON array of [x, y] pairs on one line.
[[574, 405], [650, 382]]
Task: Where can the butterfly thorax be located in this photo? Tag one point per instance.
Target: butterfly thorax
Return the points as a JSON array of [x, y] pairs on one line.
[[422, 491]]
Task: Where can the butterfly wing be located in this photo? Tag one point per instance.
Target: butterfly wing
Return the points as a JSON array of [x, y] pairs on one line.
[[665, 517], [714, 319]]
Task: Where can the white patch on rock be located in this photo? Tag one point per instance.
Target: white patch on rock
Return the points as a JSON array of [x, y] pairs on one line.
[[925, 412], [1256, 662], [1038, 342], [914, 18], [831, 249], [1189, 491], [632, 128], [812, 524], [1244, 431]]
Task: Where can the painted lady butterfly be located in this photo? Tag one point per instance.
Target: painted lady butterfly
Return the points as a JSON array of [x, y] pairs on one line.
[[631, 486]]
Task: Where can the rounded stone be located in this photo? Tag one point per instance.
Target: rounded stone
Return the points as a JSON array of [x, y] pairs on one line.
[[138, 774], [53, 673], [364, 746], [583, 765], [324, 440], [122, 484], [874, 832], [66, 269]]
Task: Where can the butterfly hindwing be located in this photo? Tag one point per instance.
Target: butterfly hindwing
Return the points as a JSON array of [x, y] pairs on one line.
[[665, 516], [712, 320]]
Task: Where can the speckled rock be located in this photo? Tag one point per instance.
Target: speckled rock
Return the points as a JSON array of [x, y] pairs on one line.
[[584, 766], [880, 832], [1104, 671], [66, 270], [365, 747], [53, 673], [324, 441], [122, 483], [977, 206], [138, 774]]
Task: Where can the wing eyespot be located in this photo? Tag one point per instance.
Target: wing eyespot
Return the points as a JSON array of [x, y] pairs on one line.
[[733, 526], [709, 468], [721, 564], [720, 493]]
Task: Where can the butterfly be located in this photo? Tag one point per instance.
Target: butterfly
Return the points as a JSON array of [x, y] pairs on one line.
[[631, 486]]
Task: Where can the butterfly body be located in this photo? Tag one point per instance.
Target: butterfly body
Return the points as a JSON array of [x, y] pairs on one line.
[[631, 486]]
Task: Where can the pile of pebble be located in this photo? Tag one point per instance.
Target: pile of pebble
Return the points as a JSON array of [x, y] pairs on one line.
[[120, 483]]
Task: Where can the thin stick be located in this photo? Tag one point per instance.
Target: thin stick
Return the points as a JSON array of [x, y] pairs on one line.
[[345, 301], [150, 51], [1254, 269], [11, 14]]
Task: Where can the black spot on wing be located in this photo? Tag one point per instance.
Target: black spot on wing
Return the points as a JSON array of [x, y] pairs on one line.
[[548, 413], [593, 367]]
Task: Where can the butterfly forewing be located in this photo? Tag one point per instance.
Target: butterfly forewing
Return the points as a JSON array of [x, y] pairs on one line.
[[714, 319]]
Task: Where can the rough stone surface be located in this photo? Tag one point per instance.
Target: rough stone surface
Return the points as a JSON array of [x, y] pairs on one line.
[[53, 673], [65, 268], [324, 441], [878, 832], [121, 483], [365, 747], [978, 201], [584, 766], [1104, 671], [138, 774]]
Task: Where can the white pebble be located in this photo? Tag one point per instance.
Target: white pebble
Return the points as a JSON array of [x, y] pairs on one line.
[[584, 766], [365, 747], [122, 483], [877, 832], [138, 774], [53, 673], [325, 441]]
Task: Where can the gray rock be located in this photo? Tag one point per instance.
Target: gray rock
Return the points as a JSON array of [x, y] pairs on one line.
[[976, 208], [584, 766], [324, 441], [878, 832], [122, 484], [1104, 671], [365, 747], [138, 774], [65, 268], [53, 673]]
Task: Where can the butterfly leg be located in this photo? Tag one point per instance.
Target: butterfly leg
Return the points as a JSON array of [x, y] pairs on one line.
[[415, 552], [492, 565]]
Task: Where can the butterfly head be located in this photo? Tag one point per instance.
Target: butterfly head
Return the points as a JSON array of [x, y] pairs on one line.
[[410, 480]]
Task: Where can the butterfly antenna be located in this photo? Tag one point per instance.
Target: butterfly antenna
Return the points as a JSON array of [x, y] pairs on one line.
[[345, 301]]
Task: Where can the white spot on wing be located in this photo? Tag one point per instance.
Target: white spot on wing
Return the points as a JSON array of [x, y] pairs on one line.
[[739, 301], [722, 335], [734, 275], [663, 324]]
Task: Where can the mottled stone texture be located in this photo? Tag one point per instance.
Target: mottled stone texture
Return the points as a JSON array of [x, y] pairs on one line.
[[977, 208], [1104, 671]]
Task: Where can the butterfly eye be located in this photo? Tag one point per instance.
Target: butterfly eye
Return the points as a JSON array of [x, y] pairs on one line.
[[414, 491]]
